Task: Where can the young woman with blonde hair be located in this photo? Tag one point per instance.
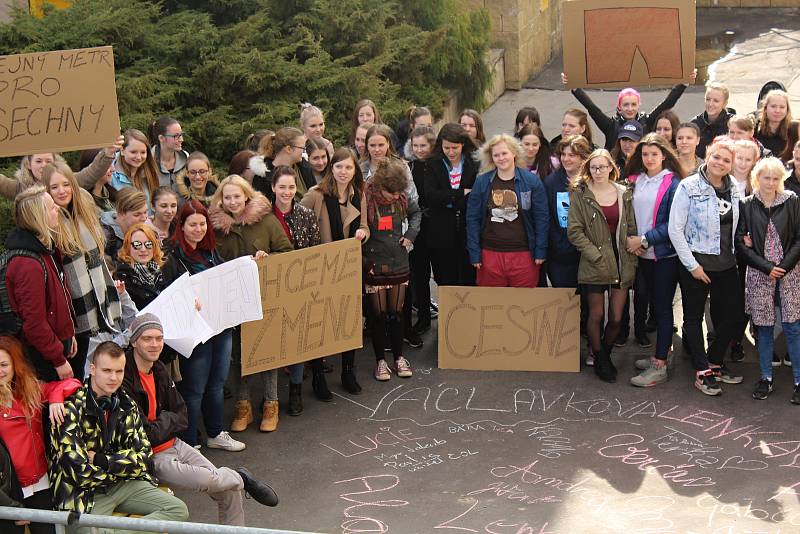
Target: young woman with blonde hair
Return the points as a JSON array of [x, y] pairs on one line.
[[36, 291], [507, 218], [81, 241], [774, 118], [244, 225], [312, 122], [768, 237]]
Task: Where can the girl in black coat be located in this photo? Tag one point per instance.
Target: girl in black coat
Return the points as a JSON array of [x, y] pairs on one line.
[[451, 175]]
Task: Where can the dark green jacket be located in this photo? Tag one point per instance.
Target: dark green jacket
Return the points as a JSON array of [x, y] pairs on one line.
[[587, 229]]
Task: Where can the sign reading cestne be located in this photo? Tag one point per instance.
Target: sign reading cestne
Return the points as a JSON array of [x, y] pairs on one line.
[[509, 329], [57, 101]]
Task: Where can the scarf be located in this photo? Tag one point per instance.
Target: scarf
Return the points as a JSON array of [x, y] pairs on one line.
[[335, 217], [148, 274], [375, 199]]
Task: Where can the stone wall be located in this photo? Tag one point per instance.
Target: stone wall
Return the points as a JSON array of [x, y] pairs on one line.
[[528, 30]]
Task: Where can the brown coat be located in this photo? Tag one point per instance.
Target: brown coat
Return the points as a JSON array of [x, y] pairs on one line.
[[255, 229], [315, 200]]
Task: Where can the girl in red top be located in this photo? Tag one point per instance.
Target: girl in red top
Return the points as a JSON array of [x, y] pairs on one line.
[[21, 400]]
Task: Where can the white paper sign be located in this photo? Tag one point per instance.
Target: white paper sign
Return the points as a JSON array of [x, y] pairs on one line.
[[184, 327], [229, 294]]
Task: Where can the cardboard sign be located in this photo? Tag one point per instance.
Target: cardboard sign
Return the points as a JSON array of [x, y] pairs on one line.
[[620, 43], [311, 299], [57, 101], [509, 329]]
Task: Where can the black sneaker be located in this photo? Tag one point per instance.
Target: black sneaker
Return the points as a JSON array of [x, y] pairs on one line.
[[723, 374], [706, 383], [776, 360], [259, 491], [796, 394], [644, 340], [737, 352], [421, 327], [412, 338], [763, 389], [622, 338], [787, 361]]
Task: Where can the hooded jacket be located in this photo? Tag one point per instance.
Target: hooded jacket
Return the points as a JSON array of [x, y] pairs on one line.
[[117, 437], [256, 228], [710, 130], [588, 231], [166, 177], [45, 310], [658, 236]]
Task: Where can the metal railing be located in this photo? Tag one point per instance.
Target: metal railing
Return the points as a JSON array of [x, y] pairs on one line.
[[61, 519]]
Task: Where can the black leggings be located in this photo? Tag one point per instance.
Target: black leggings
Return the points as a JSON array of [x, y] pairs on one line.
[[41, 500], [596, 301], [387, 310]]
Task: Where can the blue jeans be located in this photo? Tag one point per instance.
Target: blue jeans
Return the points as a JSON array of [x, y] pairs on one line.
[[766, 347], [204, 374], [296, 373]]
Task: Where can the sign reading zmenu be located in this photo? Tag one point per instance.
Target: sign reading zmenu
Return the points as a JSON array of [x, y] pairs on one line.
[[509, 329], [311, 299], [57, 101]]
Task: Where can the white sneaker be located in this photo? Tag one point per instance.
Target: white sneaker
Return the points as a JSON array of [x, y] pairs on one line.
[[226, 442]]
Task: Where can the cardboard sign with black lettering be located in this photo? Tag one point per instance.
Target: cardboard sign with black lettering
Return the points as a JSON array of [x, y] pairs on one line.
[[509, 329], [57, 101], [620, 43], [311, 299]]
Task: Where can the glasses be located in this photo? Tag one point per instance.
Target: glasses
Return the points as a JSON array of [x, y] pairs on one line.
[[300, 147], [174, 136], [137, 245], [201, 172], [599, 168]]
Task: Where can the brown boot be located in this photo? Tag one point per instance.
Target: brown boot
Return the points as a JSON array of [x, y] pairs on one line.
[[269, 417], [243, 417]]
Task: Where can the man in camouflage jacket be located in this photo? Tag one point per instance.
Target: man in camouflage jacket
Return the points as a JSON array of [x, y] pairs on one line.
[[100, 454]]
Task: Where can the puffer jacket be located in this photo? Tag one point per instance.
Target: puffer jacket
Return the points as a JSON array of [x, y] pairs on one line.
[[122, 450], [588, 231], [255, 229]]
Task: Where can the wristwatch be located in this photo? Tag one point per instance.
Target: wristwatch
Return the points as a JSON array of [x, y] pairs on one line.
[[645, 244]]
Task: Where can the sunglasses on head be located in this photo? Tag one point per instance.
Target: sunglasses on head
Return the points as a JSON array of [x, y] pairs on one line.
[[137, 245]]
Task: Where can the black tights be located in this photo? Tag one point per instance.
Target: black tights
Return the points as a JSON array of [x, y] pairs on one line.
[[387, 309], [616, 303]]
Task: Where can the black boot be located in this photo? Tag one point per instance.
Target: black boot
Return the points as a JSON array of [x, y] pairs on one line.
[[318, 382], [604, 367], [258, 490], [349, 382], [295, 399]]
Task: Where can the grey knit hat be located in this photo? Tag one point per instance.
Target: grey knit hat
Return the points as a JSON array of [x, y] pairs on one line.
[[144, 322]]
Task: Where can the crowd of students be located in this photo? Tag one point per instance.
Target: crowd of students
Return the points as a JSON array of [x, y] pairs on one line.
[[709, 204]]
